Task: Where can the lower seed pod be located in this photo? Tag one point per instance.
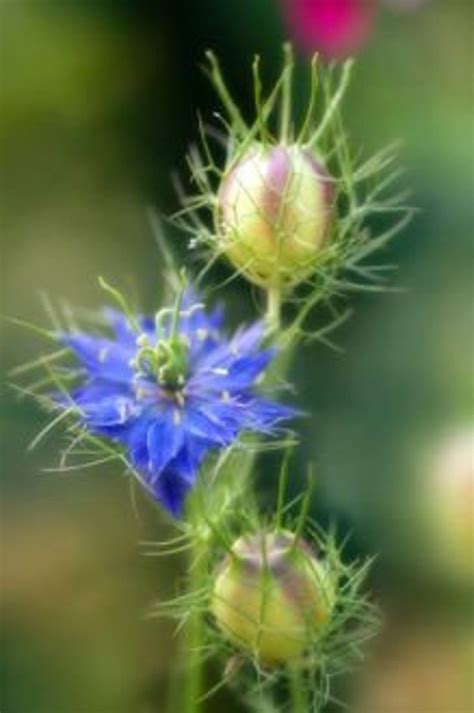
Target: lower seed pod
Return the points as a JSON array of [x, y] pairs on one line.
[[272, 596]]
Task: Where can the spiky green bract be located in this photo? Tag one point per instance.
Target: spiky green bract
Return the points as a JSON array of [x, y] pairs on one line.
[[332, 648], [360, 188]]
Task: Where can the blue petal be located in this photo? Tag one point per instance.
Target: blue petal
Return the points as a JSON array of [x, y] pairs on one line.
[[243, 343], [103, 358], [239, 374], [176, 480], [264, 415], [246, 370], [247, 340], [171, 490], [209, 430], [227, 418], [109, 412], [165, 438], [137, 441], [96, 391], [103, 408], [201, 328]]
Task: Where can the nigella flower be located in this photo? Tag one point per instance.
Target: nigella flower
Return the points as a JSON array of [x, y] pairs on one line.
[[172, 389]]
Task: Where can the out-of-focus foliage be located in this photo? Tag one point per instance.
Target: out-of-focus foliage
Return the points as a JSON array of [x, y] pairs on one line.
[[99, 102]]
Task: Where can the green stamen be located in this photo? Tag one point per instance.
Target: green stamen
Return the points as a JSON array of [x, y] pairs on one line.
[[167, 360]]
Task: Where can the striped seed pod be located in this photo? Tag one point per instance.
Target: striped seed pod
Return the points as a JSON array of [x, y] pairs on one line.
[[272, 596], [273, 214]]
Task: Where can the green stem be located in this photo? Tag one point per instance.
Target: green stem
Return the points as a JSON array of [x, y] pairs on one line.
[[273, 314], [297, 692], [194, 640]]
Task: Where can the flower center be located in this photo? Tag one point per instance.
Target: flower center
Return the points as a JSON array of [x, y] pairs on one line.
[[166, 362]]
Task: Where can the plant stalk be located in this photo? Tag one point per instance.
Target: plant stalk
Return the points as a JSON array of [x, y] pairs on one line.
[[194, 639], [273, 314], [297, 692]]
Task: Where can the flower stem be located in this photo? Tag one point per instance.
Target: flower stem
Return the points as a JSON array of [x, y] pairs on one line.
[[297, 692], [273, 314], [194, 641]]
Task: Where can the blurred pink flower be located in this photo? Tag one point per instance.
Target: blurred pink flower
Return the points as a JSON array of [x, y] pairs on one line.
[[335, 28]]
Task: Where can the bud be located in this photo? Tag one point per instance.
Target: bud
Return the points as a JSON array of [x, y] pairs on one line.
[[272, 596], [273, 214]]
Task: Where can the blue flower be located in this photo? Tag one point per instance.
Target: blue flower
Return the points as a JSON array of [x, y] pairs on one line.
[[172, 389]]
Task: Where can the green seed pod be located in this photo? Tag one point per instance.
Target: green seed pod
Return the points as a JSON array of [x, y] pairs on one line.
[[272, 596], [273, 214]]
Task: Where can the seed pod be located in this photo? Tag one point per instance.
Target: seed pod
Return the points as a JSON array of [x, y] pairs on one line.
[[272, 596], [273, 214]]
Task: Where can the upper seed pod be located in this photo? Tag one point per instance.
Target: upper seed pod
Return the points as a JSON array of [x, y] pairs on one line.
[[272, 596], [273, 213], [262, 195]]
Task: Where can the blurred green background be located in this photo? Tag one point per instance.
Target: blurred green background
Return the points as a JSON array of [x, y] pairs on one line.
[[99, 103]]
